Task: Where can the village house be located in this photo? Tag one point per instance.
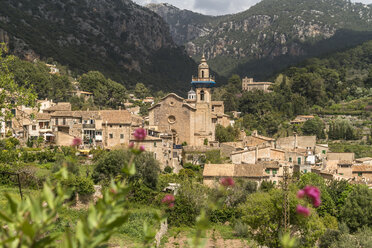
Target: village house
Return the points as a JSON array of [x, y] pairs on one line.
[[61, 106], [294, 142], [363, 173], [192, 120], [212, 173], [252, 155], [365, 161], [104, 128], [333, 158], [258, 140], [249, 85], [163, 150], [301, 119], [82, 94]]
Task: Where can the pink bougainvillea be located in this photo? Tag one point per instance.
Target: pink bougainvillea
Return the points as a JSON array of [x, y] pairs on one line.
[[303, 210], [139, 134], [227, 182], [169, 200], [76, 142]]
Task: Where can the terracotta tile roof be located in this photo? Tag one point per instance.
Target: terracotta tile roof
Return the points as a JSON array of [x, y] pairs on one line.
[[218, 170], [262, 137], [362, 168], [249, 170], [43, 116], [361, 160], [231, 170], [116, 116], [269, 164], [61, 106]]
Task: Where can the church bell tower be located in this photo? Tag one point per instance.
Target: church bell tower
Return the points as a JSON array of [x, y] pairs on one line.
[[203, 82]]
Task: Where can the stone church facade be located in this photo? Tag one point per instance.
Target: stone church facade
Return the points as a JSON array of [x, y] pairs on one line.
[[192, 120]]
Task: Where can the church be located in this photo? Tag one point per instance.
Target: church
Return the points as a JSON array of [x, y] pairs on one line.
[[193, 120]]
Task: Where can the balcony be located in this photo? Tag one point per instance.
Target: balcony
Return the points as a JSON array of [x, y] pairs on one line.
[[89, 126]]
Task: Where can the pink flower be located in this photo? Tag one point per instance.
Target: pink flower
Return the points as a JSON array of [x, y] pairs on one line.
[[169, 200], [142, 149], [139, 134], [131, 145], [227, 182], [311, 192], [303, 210], [300, 194], [76, 142]]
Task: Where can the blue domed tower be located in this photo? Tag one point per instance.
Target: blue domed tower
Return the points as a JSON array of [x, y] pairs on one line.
[[203, 82]]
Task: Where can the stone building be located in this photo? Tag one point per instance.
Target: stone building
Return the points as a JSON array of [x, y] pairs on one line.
[[104, 128], [294, 142], [249, 85], [254, 154], [193, 120]]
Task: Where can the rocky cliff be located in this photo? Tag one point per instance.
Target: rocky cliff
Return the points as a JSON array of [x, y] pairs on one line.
[[125, 41], [273, 29]]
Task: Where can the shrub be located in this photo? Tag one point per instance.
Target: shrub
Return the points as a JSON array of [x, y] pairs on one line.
[[46, 156], [81, 185], [241, 230], [69, 162], [142, 194], [168, 169], [190, 199], [28, 157], [223, 214]]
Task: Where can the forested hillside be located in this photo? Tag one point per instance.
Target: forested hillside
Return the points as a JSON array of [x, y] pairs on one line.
[[126, 42], [315, 86]]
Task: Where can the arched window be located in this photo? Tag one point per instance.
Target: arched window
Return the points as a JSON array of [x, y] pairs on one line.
[[202, 95], [202, 74]]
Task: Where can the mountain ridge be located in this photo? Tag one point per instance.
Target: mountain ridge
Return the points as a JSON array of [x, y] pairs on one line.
[[273, 28], [125, 41]]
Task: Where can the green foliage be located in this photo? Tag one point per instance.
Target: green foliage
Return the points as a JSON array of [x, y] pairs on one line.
[[266, 186], [214, 157], [141, 91], [168, 169], [226, 134], [70, 163], [359, 149], [357, 211], [314, 127], [110, 165], [78, 184], [106, 92], [241, 230], [342, 130], [191, 198], [12, 95], [328, 205], [262, 212]]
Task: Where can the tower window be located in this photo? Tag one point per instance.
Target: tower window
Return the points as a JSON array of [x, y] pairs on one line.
[[202, 95], [202, 74]]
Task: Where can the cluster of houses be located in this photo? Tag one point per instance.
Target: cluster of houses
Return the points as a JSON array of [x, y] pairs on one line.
[[182, 130], [261, 158]]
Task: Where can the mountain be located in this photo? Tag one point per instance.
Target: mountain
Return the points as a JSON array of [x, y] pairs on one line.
[[272, 34], [184, 25], [123, 40]]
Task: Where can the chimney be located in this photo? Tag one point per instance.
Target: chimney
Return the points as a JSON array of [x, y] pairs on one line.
[[295, 140], [256, 155]]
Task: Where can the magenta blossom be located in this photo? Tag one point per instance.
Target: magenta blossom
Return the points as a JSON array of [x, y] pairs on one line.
[[142, 149], [139, 134], [76, 142], [311, 192], [227, 181], [303, 210], [169, 200], [131, 145]]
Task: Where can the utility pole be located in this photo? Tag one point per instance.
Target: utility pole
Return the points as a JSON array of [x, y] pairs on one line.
[[285, 187]]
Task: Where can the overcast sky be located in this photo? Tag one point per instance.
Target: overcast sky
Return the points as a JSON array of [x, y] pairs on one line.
[[215, 7]]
